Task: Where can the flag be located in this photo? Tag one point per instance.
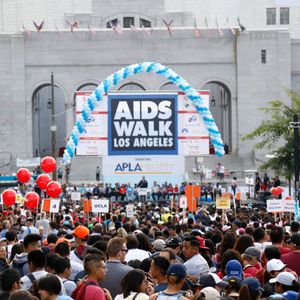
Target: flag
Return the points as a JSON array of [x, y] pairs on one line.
[[73, 24], [227, 24], [92, 31], [38, 27], [28, 31], [196, 30], [148, 30], [133, 28], [219, 29], [168, 25], [116, 28]]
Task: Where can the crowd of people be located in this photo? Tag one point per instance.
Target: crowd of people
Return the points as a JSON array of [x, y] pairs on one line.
[[158, 253]]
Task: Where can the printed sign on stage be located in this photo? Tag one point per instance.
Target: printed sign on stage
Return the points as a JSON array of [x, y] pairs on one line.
[[142, 124]]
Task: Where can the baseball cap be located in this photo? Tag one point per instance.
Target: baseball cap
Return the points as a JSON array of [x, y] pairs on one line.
[[63, 240], [253, 251], [211, 279], [159, 244], [234, 268], [253, 284], [173, 242], [177, 270], [290, 295], [275, 265], [285, 278], [201, 242], [235, 284], [29, 219], [225, 228], [81, 231], [210, 293], [197, 231]]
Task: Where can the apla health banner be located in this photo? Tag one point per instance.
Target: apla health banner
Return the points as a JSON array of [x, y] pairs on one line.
[[143, 124]]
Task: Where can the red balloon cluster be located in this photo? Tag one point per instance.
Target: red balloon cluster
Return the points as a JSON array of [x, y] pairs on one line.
[[53, 189], [48, 164], [276, 191], [9, 197], [43, 180], [32, 200], [23, 175], [288, 198]]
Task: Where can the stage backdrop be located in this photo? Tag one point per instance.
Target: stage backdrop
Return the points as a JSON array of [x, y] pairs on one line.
[[135, 133]]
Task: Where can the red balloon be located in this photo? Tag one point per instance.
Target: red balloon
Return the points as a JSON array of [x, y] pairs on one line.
[[280, 189], [32, 200], [288, 198], [43, 180], [275, 191], [9, 197], [53, 189], [23, 175], [48, 164]]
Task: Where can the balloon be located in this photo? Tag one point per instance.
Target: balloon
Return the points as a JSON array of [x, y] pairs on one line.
[[23, 175], [288, 198], [48, 164], [280, 189], [9, 197], [43, 180], [275, 191], [32, 200], [53, 189]]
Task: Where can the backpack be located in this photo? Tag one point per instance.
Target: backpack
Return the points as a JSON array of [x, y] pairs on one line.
[[19, 267], [79, 292]]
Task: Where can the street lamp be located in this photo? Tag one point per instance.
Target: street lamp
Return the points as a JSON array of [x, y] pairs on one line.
[[53, 125]]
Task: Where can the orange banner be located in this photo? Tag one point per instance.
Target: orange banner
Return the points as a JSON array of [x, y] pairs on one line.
[[87, 206], [192, 192]]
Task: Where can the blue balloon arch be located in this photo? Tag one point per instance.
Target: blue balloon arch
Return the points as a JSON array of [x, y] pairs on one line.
[[145, 67]]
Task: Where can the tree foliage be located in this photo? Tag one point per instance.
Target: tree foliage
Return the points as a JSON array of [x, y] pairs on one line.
[[275, 134]]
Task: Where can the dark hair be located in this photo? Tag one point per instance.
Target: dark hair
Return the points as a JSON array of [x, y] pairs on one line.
[[145, 264], [170, 251], [101, 245], [132, 242], [37, 258], [90, 260], [276, 235], [295, 226], [52, 238], [62, 249], [244, 293], [194, 242], [8, 278], [259, 234], [294, 287], [16, 249], [144, 242], [61, 264], [272, 252], [162, 264], [132, 281], [30, 239], [243, 242], [230, 254], [50, 283], [22, 295], [11, 235], [228, 242]]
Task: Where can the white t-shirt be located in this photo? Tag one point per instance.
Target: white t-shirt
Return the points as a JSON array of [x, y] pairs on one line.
[[69, 285], [196, 266], [136, 254]]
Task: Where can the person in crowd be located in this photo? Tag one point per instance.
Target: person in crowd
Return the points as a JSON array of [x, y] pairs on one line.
[[158, 269], [195, 265], [116, 269], [212, 280], [284, 282], [20, 262], [81, 234], [134, 252], [29, 228], [276, 236], [44, 223], [250, 286], [22, 295], [251, 260], [135, 285], [9, 282], [233, 287], [292, 259]]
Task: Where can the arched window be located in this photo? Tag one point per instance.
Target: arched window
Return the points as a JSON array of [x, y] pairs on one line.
[[131, 87], [169, 86]]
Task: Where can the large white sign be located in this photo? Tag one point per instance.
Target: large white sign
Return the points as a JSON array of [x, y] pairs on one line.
[[279, 205], [130, 210], [54, 205], [75, 196], [183, 202], [163, 165], [100, 205]]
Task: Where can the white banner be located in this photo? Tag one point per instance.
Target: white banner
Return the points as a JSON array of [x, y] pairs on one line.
[[183, 202], [279, 205], [129, 210], [100, 205], [162, 165], [54, 205], [75, 196], [30, 162], [142, 192]]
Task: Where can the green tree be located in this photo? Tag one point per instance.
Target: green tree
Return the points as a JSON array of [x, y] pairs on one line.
[[274, 134]]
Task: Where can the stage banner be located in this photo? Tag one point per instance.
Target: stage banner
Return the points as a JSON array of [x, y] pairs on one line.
[[142, 124], [193, 137]]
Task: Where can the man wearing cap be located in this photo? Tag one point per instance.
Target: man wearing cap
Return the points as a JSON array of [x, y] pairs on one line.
[[234, 268], [210, 293], [292, 260], [212, 280], [251, 257], [285, 281], [81, 234], [195, 265]]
